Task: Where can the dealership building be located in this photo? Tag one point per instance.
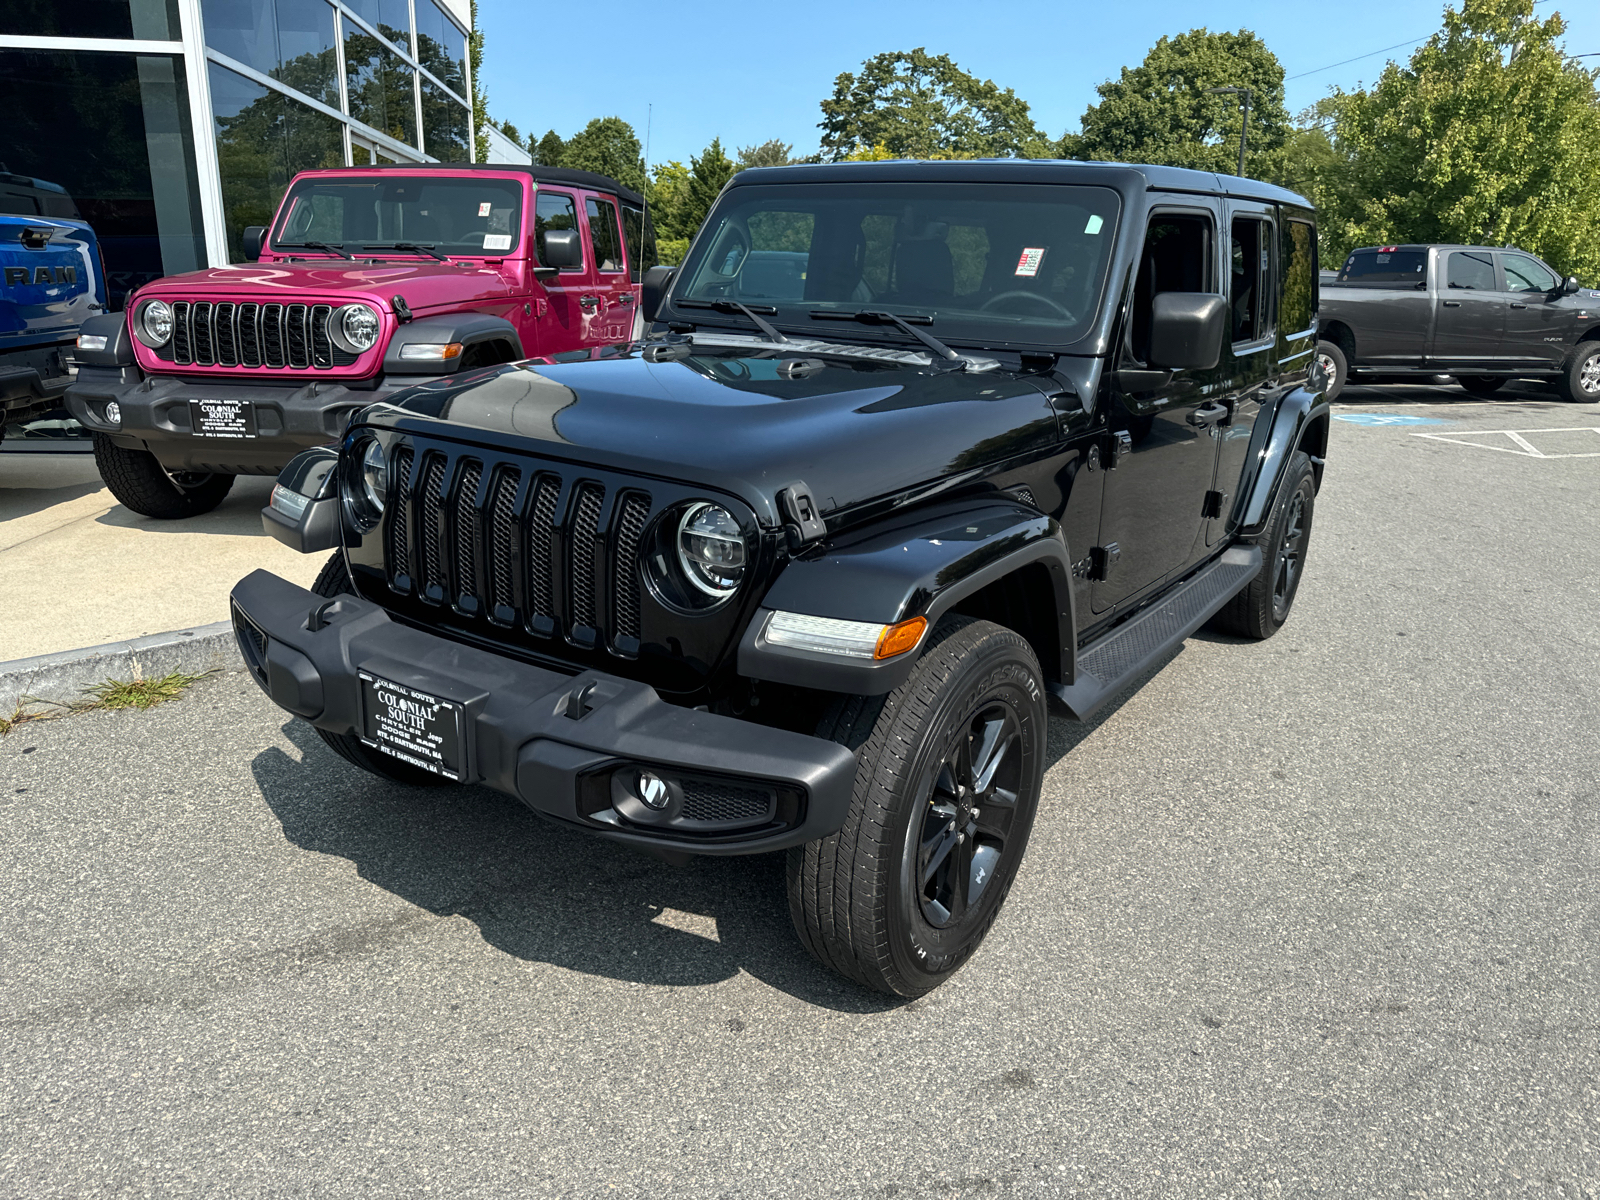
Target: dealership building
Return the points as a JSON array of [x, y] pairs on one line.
[[173, 124]]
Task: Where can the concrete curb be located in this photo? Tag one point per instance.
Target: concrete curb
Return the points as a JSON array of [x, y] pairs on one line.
[[62, 677]]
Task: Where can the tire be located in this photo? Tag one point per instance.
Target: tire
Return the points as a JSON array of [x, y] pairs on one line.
[[1482, 385], [1261, 609], [142, 485], [977, 693], [334, 580], [1334, 365], [1580, 380]]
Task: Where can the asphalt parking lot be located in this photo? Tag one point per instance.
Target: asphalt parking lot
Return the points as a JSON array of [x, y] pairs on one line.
[[1311, 917]]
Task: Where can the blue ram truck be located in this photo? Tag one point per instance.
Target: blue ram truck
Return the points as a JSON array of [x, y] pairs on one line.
[[51, 281]]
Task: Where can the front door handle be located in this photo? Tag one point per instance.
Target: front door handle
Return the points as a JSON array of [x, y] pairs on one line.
[[588, 301], [1208, 414], [1451, 303], [1514, 304]]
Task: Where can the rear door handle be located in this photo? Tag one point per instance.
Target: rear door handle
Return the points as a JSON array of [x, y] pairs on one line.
[[1451, 303], [1514, 304], [625, 298]]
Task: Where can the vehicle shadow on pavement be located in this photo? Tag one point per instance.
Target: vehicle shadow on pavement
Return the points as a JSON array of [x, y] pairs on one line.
[[239, 515], [18, 502], [542, 892]]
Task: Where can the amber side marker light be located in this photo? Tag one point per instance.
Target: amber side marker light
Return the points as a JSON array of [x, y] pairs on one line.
[[897, 639]]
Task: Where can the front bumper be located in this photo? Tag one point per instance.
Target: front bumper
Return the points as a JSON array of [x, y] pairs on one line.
[[155, 416], [563, 745], [26, 394]]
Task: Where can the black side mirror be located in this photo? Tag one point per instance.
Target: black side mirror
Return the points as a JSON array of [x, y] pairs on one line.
[[251, 241], [563, 249], [654, 290], [1570, 285], [1187, 330]]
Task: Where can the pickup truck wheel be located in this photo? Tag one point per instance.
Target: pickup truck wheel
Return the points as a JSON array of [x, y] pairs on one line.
[[1580, 382], [1335, 369], [334, 580], [1482, 385], [951, 764], [1261, 609], [143, 485]]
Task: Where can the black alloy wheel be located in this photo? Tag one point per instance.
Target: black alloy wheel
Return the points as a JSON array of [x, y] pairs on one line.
[[950, 768], [1261, 609]]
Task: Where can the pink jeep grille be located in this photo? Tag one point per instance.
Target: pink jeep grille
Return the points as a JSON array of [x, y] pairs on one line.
[[273, 336]]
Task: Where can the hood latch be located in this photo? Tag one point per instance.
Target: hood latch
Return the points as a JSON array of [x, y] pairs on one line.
[[802, 523]]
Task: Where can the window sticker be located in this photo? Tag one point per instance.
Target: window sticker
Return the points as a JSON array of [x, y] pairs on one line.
[[483, 209], [1028, 264], [497, 241], [1096, 223]]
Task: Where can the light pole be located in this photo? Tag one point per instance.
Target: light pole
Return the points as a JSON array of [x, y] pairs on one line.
[[1244, 129]]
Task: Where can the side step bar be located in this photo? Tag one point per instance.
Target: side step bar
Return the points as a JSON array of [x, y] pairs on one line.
[[1106, 665]]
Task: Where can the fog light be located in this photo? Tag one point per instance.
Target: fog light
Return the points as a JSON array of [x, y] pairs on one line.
[[652, 789], [91, 341], [113, 413]]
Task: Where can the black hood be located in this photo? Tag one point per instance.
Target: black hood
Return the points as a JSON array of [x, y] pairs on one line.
[[853, 431]]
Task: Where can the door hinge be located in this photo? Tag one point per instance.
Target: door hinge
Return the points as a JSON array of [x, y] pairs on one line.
[[1212, 508], [1102, 559]]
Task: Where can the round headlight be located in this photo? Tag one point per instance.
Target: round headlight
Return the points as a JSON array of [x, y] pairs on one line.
[[153, 325], [711, 549], [374, 477], [353, 328]]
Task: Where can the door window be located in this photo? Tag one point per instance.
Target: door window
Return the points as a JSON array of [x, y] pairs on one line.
[[1250, 277], [641, 238], [1523, 274], [1297, 267], [553, 211], [1177, 251], [603, 233], [1470, 270]]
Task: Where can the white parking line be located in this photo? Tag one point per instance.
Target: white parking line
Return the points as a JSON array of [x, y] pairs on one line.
[[1521, 445]]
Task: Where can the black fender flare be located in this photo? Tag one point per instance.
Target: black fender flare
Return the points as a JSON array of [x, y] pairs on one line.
[[920, 563], [470, 329], [1298, 410]]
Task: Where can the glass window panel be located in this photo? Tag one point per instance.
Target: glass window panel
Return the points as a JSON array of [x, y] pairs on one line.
[[243, 30], [392, 18], [290, 40], [1296, 263], [444, 125], [441, 47], [263, 139], [455, 215], [139, 188], [1382, 268], [603, 235], [642, 259], [156, 20], [379, 85], [553, 210], [1471, 271], [1523, 274]]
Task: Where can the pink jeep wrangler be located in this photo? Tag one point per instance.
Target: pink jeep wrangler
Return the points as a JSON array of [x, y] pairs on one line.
[[369, 280]]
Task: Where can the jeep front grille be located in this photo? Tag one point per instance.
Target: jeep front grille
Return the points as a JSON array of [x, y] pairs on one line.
[[226, 333], [518, 544]]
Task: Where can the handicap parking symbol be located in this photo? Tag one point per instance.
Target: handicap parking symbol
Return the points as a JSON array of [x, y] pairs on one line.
[[1387, 419]]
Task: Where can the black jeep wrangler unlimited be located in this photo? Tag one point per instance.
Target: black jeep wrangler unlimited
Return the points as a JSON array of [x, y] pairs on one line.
[[915, 448]]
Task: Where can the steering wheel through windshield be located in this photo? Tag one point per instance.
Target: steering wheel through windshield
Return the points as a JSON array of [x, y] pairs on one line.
[[1019, 294]]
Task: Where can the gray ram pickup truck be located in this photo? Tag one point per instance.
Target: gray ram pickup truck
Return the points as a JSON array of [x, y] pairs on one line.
[[1483, 314]]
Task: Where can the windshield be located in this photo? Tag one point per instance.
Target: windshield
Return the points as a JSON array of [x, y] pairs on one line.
[[989, 263], [453, 215]]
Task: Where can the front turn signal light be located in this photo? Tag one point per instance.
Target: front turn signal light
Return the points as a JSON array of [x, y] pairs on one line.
[[430, 351], [897, 639]]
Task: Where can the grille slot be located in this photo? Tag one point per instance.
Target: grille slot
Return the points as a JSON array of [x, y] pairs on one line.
[[465, 531], [200, 335], [295, 339], [502, 539], [321, 345], [224, 340], [249, 335], [398, 549], [710, 802], [180, 331], [580, 579], [541, 543], [432, 552], [635, 508], [272, 335]]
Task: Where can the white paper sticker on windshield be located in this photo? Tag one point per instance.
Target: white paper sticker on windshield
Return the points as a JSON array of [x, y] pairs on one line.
[[483, 209], [1028, 264], [1096, 223], [497, 241]]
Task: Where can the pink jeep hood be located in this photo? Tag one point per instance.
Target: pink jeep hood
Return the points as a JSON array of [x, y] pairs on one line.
[[425, 285]]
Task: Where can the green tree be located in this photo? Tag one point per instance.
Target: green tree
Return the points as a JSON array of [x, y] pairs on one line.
[[511, 131], [547, 151], [707, 175], [920, 105], [774, 153], [607, 145], [1486, 136], [669, 198], [480, 102], [1160, 111]]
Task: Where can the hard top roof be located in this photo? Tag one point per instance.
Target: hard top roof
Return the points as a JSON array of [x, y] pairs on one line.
[[537, 173], [1026, 170]]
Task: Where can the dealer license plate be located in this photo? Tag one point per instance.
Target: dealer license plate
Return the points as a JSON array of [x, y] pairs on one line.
[[222, 418], [413, 726]]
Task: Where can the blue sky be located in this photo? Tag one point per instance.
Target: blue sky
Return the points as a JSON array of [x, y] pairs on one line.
[[749, 72]]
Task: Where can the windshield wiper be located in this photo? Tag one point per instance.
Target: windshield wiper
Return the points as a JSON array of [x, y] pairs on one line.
[[733, 306], [414, 247], [904, 324], [324, 246]]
